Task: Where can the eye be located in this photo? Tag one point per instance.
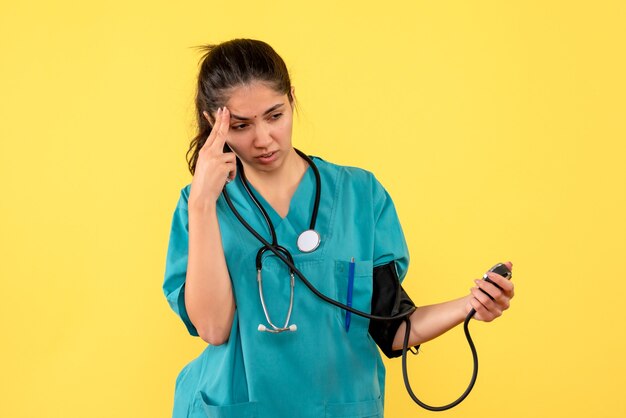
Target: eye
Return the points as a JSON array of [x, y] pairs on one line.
[[239, 126], [276, 116]]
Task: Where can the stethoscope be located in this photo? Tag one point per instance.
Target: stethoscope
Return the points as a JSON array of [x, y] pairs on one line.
[[285, 256], [309, 241]]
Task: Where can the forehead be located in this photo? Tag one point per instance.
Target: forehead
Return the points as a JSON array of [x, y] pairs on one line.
[[253, 99]]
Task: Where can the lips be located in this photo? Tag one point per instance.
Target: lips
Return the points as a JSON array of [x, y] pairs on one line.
[[268, 157]]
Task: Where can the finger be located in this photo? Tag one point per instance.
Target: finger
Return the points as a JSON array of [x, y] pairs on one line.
[[211, 138], [488, 307], [509, 265], [483, 298], [501, 300], [227, 164], [223, 166], [233, 173], [491, 290], [222, 128], [504, 284], [482, 313]]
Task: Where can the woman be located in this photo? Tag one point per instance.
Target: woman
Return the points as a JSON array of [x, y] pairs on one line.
[[324, 364]]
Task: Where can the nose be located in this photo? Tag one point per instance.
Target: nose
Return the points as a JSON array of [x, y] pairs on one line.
[[263, 137]]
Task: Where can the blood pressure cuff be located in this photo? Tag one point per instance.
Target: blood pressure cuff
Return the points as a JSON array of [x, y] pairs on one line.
[[388, 299]]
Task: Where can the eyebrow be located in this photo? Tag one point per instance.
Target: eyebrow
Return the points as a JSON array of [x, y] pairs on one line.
[[270, 110]]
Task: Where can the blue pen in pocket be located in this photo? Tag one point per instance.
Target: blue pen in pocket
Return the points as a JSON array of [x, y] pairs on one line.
[[350, 287]]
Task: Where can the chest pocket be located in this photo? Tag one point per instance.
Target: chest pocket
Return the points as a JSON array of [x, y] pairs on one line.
[[367, 409], [361, 293], [203, 409]]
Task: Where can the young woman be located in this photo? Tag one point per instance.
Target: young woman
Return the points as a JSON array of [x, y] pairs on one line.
[[275, 348]]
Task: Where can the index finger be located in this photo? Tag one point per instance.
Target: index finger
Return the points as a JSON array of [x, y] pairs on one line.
[[222, 126], [503, 283], [209, 141]]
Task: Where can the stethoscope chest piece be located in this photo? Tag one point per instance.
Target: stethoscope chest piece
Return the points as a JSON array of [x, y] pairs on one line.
[[308, 241]]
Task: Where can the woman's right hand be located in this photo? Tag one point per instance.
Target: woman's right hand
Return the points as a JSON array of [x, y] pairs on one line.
[[214, 167]]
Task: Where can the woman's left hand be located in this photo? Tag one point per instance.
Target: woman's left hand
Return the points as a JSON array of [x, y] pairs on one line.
[[488, 309]]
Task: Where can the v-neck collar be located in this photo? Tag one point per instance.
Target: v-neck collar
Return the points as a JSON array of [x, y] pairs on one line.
[[298, 207]]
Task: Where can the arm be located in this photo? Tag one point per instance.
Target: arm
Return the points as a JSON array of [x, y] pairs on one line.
[[209, 296], [429, 322]]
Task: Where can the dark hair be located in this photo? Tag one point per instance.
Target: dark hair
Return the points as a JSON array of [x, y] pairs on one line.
[[230, 64]]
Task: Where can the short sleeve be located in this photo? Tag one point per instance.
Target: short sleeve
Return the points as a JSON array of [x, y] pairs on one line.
[[176, 262], [391, 262], [389, 242]]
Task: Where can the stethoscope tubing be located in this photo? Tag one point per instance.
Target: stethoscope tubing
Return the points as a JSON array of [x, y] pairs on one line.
[[470, 386], [301, 276], [266, 217], [405, 316], [268, 221]]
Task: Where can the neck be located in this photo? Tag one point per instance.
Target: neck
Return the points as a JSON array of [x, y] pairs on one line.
[[278, 186], [289, 172]]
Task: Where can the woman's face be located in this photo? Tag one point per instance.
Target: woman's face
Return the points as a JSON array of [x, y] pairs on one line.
[[260, 126]]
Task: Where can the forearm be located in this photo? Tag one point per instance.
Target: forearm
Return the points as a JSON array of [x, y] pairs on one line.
[[428, 322], [208, 291]]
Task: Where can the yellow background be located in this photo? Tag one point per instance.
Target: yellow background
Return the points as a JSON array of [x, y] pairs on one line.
[[498, 128]]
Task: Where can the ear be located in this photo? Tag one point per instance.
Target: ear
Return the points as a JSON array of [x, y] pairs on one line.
[[208, 118], [292, 96]]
